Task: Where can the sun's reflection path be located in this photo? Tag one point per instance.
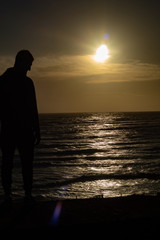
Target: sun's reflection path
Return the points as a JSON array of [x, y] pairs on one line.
[[56, 213]]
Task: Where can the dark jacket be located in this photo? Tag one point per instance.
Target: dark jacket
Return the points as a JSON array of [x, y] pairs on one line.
[[18, 107]]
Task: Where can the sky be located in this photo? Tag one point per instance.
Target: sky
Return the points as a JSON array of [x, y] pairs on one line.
[[63, 37]]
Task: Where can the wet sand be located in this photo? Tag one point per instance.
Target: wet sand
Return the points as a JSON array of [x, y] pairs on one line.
[[114, 215]]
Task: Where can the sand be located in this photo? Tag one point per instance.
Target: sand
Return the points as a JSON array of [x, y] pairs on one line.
[[133, 214]]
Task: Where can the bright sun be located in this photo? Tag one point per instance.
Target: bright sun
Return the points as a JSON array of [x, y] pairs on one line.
[[102, 53]]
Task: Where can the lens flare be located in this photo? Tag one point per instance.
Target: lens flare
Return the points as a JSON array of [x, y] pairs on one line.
[[106, 36], [56, 213]]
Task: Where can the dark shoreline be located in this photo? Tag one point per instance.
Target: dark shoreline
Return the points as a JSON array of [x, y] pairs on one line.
[[138, 212]]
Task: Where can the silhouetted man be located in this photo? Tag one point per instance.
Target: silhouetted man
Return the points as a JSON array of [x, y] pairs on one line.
[[19, 122]]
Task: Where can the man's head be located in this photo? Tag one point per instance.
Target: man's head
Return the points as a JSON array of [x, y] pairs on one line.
[[23, 61]]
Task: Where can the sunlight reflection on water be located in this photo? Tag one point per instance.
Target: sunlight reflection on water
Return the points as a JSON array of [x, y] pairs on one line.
[[93, 154], [106, 188]]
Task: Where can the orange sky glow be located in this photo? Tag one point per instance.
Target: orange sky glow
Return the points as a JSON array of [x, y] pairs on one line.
[[66, 76]]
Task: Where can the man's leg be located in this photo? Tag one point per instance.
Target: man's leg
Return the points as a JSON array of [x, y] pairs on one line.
[[8, 149], [26, 151]]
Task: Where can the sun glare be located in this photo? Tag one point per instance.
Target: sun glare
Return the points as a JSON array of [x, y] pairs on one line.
[[102, 54]]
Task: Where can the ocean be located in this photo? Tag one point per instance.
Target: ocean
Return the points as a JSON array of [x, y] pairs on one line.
[[85, 155]]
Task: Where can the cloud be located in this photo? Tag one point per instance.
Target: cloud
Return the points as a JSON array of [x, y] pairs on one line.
[[5, 62], [85, 68], [77, 83]]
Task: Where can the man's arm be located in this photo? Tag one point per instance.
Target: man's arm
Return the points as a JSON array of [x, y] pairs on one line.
[[36, 126]]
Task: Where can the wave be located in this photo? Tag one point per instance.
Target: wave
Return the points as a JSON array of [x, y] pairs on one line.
[[91, 178]]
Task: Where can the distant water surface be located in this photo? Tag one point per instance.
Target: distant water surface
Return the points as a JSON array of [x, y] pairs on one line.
[[84, 155]]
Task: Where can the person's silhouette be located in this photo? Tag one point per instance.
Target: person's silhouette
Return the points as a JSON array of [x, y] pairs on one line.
[[19, 122]]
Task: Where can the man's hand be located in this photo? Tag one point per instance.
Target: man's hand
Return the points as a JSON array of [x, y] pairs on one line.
[[37, 138]]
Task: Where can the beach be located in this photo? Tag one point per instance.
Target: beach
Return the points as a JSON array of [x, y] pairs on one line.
[[136, 213]]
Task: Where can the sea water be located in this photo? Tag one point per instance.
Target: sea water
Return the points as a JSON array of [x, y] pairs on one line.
[[83, 155]]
